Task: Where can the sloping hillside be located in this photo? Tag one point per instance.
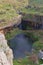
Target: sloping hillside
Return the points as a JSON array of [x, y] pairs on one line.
[[8, 10], [15, 3], [36, 3], [34, 7]]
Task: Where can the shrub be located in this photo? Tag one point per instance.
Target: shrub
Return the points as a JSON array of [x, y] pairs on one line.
[[38, 45]]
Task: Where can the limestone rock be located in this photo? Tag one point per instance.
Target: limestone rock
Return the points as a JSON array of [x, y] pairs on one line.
[[3, 59], [6, 54]]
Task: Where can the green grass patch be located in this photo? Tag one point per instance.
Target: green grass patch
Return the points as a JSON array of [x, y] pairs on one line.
[[13, 33], [24, 61], [32, 36], [38, 11], [38, 45], [7, 11]]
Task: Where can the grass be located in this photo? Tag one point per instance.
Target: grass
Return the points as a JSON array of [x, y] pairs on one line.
[[38, 45], [9, 8], [36, 7], [8, 11], [39, 7], [32, 35], [36, 2], [13, 33], [24, 61], [7, 14], [33, 11]]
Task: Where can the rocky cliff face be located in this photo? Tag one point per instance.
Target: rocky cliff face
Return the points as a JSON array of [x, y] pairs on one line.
[[6, 54], [33, 18], [35, 21]]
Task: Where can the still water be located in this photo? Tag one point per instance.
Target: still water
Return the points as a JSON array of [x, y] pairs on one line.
[[21, 45]]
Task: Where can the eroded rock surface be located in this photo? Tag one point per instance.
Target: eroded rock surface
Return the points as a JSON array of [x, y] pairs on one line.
[[6, 54]]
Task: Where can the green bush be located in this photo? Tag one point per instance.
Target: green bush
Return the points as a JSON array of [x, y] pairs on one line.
[[38, 45]]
